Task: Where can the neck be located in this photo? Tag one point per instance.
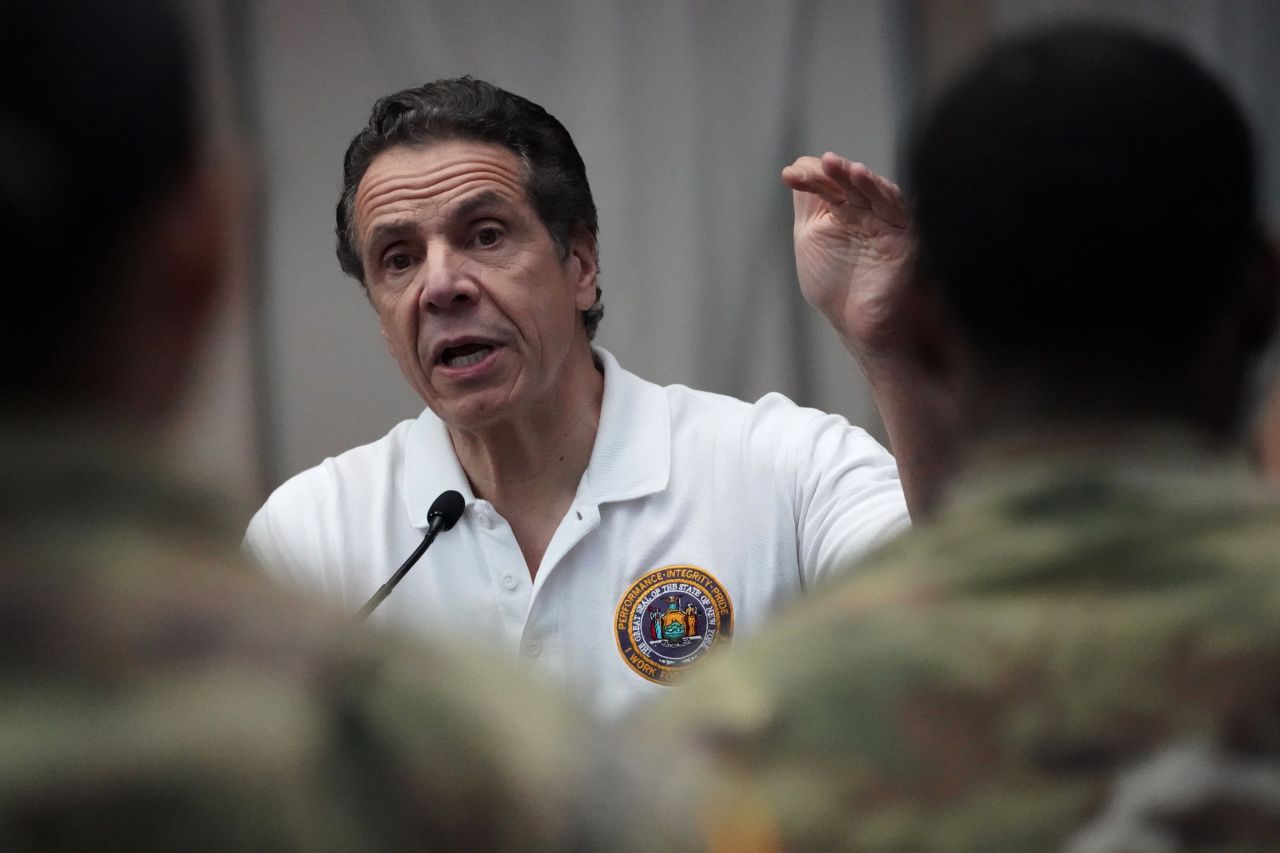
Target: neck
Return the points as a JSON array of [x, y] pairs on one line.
[[110, 411], [1087, 409], [539, 455], [1099, 436], [1012, 423], [529, 467]]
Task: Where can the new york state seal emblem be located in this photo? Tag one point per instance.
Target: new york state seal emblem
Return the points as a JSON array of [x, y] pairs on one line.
[[669, 618]]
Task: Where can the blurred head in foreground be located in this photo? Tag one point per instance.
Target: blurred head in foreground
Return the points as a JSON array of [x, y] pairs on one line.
[[1078, 650], [114, 227], [157, 694], [1087, 217]]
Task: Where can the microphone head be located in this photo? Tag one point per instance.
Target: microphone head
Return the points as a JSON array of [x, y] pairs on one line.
[[448, 508]]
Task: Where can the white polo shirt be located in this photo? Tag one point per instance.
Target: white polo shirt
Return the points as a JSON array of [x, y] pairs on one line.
[[698, 516]]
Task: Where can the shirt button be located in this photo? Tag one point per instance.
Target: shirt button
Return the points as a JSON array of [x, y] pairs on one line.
[[509, 581], [486, 522], [533, 649]]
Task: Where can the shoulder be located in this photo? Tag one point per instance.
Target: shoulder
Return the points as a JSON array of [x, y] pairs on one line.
[[274, 688], [349, 473], [773, 417], [330, 496], [773, 422], [946, 648]]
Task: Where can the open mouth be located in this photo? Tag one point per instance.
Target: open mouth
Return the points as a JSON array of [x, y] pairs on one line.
[[465, 355]]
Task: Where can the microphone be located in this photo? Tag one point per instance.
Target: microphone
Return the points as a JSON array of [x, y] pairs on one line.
[[443, 515]]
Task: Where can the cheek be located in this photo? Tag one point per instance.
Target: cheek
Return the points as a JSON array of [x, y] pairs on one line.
[[407, 336], [398, 325]]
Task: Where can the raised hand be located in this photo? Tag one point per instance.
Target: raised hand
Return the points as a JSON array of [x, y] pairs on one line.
[[854, 257], [853, 246]]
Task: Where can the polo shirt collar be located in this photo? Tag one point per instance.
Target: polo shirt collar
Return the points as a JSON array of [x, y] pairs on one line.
[[631, 457], [430, 467], [632, 453]]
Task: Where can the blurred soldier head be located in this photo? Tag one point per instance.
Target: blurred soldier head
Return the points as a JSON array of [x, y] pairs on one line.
[[1087, 220], [113, 232]]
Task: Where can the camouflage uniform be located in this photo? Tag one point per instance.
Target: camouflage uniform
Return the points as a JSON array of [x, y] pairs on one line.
[[1075, 652], [155, 696]]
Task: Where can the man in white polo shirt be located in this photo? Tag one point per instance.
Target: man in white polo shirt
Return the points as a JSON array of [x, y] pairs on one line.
[[614, 531]]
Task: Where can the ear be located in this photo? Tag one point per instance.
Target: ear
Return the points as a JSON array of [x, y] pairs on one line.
[[1261, 300], [173, 267], [584, 268], [932, 339], [948, 369]]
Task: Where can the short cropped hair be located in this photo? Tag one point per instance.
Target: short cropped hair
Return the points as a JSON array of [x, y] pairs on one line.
[[1085, 201], [98, 118], [555, 178]]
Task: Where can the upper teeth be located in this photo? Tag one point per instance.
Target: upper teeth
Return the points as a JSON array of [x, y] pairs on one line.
[[466, 360]]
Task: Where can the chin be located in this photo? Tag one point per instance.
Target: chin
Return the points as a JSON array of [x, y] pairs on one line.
[[474, 414]]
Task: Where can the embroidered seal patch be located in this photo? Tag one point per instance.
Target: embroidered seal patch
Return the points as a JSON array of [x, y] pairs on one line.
[[669, 618]]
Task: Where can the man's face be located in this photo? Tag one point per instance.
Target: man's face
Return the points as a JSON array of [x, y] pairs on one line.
[[473, 299]]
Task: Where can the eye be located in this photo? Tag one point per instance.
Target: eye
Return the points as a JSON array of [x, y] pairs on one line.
[[399, 261], [487, 236]]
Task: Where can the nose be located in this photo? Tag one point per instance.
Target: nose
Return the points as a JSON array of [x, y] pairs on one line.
[[449, 285]]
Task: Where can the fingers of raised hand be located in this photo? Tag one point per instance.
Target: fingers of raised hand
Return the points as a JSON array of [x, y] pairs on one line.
[[801, 171], [889, 203], [806, 177], [850, 190], [866, 190]]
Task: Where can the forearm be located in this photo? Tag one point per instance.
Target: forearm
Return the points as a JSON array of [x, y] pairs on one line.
[[920, 419]]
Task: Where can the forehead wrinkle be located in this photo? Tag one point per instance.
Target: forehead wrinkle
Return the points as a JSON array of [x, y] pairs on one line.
[[481, 197], [436, 178], [398, 190]]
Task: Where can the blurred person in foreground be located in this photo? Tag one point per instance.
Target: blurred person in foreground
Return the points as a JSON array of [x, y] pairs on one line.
[[1081, 648], [154, 695]]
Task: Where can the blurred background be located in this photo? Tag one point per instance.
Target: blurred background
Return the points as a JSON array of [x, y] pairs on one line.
[[685, 111]]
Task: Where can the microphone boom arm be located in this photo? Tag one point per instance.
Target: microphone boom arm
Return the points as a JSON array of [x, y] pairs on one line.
[[444, 514]]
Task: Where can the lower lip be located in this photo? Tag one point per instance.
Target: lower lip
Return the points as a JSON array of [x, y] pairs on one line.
[[470, 370]]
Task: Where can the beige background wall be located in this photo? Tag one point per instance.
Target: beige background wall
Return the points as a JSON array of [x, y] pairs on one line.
[[684, 113]]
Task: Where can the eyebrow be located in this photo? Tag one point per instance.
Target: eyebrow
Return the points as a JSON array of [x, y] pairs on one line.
[[473, 204], [389, 232], [385, 233]]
